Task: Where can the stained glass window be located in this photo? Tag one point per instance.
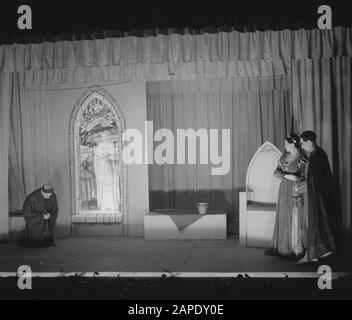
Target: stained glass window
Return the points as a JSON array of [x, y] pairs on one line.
[[99, 134]]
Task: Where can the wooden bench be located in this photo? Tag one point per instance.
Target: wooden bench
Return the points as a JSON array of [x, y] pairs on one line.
[[16, 213], [97, 217], [16, 223]]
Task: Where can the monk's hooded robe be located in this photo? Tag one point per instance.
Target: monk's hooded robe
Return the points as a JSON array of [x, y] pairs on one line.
[[39, 232]]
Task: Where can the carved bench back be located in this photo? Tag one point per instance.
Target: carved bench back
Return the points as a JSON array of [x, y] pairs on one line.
[[261, 185]]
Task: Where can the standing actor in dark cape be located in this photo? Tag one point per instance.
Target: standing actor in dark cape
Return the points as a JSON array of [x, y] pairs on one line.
[[321, 210], [40, 212]]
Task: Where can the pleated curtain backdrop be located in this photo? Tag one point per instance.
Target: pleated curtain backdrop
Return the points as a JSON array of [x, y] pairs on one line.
[[29, 144], [319, 95], [135, 54], [253, 110], [322, 101]]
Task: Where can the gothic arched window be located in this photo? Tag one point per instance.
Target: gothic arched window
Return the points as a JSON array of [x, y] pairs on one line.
[[97, 173]]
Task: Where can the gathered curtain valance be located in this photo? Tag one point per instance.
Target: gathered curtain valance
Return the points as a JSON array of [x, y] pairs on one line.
[[180, 87], [178, 49], [165, 71]]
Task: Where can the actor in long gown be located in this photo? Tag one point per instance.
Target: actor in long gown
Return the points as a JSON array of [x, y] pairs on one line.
[[287, 235], [321, 212], [40, 212]]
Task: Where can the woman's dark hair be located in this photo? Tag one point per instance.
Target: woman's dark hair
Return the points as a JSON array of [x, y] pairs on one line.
[[309, 135], [293, 138]]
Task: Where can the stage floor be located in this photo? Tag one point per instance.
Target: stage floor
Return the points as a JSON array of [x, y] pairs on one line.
[[114, 254]]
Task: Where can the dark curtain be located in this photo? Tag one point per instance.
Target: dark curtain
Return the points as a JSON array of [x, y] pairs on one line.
[[254, 110], [322, 102]]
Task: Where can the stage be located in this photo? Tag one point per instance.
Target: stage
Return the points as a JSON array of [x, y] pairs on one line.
[[136, 255]]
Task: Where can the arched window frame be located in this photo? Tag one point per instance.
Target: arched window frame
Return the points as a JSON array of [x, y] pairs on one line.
[[74, 152]]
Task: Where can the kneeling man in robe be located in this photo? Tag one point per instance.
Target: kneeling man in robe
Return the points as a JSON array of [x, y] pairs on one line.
[[40, 212]]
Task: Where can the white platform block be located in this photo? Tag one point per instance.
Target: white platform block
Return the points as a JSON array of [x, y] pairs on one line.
[[208, 226]]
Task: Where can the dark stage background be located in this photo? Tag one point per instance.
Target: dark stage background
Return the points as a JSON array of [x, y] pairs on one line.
[[54, 20]]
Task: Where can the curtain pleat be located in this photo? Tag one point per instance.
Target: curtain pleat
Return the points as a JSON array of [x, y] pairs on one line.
[[29, 152], [7, 87], [16, 151]]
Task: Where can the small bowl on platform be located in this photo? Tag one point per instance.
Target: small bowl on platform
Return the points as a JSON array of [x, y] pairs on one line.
[[202, 207]]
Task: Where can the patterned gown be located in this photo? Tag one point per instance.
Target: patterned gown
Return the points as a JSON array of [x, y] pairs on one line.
[[287, 236]]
